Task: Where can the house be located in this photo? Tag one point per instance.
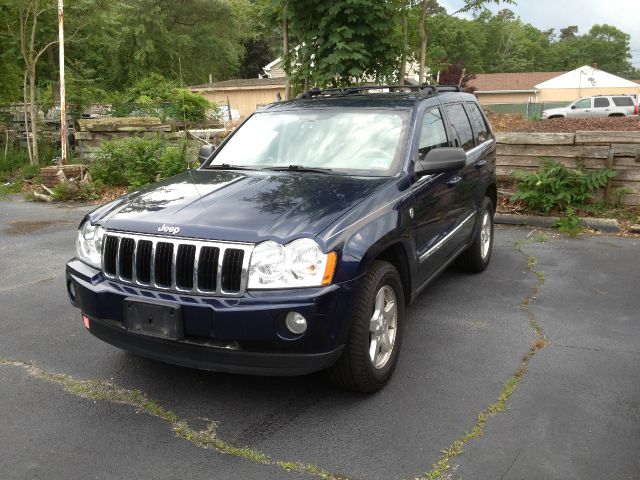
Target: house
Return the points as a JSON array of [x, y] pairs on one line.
[[243, 95], [548, 88]]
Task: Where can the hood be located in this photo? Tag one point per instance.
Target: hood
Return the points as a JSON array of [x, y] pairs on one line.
[[242, 206]]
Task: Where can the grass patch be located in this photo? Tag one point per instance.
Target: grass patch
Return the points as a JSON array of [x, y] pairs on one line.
[[443, 468], [106, 391]]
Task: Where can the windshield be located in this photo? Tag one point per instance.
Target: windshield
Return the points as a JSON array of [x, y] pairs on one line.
[[365, 142]]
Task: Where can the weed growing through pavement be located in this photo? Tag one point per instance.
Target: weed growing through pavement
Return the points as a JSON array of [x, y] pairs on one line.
[[442, 468]]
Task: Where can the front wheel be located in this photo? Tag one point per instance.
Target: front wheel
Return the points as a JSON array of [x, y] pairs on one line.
[[476, 258], [373, 346]]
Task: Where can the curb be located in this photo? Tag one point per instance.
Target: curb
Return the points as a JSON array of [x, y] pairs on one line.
[[608, 225]]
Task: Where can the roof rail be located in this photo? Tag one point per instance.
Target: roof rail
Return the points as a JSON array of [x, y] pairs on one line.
[[423, 90]]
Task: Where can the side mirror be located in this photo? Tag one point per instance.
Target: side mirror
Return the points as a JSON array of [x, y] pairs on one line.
[[442, 160], [205, 152], [573, 107]]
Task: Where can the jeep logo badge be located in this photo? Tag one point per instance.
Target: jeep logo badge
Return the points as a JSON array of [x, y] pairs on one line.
[[168, 229]]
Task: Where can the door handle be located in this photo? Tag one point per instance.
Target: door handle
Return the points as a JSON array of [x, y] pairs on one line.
[[481, 163], [454, 181]]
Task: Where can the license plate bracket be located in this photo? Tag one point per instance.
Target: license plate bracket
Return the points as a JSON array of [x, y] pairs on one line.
[[153, 318]]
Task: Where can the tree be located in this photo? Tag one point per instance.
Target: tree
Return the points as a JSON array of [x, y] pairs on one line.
[[429, 7], [340, 42]]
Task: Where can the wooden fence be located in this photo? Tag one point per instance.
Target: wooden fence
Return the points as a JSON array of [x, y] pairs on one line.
[[619, 151]]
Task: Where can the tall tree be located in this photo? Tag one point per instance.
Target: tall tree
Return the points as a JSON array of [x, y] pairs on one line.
[[429, 7]]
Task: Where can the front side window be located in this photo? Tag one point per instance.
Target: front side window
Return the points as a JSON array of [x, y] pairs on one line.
[[432, 134], [459, 126], [601, 102], [355, 141], [584, 103]]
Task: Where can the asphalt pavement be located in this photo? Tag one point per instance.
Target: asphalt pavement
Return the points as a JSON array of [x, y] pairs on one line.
[[70, 405]]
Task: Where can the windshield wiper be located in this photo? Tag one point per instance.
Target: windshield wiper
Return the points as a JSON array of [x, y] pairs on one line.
[[299, 168], [227, 166]]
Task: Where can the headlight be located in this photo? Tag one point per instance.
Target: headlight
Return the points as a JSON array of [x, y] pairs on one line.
[[89, 244], [299, 264]]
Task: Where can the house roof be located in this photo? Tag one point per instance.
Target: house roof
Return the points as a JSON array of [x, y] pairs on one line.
[[586, 77], [241, 83], [525, 81]]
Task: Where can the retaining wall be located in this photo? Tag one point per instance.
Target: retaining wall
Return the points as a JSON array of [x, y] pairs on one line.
[[617, 150]]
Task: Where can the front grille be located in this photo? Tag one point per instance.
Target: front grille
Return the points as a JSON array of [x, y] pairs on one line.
[[180, 265]]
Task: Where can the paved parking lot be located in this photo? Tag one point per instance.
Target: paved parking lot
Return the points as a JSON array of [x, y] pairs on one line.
[[74, 407]]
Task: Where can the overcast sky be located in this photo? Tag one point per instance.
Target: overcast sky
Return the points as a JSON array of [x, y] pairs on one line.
[[545, 14]]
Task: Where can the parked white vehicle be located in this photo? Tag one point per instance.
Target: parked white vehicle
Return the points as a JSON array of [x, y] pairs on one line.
[[596, 107]]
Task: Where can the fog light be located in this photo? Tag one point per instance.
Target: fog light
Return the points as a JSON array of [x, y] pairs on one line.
[[71, 289], [296, 323]]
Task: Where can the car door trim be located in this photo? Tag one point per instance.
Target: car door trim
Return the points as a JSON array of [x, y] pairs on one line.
[[448, 237]]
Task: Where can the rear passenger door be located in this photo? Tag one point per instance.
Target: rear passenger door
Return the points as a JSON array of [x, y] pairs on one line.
[[601, 107], [481, 159], [466, 189]]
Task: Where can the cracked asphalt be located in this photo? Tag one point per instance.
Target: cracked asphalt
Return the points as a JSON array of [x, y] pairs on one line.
[[575, 413]]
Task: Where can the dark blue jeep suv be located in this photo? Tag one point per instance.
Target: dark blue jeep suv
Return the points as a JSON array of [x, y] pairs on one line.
[[297, 243]]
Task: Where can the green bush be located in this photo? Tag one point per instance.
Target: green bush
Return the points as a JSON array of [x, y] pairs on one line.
[[136, 162], [554, 186], [13, 161], [158, 96], [66, 191], [570, 224]]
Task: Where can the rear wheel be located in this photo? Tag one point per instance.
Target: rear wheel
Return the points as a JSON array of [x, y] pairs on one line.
[[373, 346], [476, 258]]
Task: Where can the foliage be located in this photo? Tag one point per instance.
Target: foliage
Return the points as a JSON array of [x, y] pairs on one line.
[[555, 186], [12, 161], [342, 42], [136, 162], [77, 191], [157, 96], [570, 224]]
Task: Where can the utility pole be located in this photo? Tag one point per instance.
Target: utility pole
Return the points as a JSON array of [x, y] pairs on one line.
[[63, 100]]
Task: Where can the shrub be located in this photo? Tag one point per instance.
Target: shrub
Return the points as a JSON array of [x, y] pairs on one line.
[[66, 191], [555, 186], [570, 224], [13, 161], [136, 162]]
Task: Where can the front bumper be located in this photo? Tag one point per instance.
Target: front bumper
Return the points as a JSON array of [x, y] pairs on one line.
[[237, 335]]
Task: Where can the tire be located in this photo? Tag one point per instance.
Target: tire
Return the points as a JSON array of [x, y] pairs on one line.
[[476, 258], [356, 370]]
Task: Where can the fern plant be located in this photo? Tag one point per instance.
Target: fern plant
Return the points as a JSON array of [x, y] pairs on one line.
[[554, 186]]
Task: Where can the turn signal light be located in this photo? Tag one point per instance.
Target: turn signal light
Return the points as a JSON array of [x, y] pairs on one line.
[[85, 319], [330, 268]]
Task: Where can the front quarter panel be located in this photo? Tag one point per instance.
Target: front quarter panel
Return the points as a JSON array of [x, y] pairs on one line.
[[381, 221]]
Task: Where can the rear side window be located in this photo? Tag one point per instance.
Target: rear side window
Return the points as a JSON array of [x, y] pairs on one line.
[[459, 126], [480, 128], [602, 102], [623, 101], [433, 133]]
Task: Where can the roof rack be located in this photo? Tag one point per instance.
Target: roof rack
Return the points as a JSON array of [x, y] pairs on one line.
[[423, 90]]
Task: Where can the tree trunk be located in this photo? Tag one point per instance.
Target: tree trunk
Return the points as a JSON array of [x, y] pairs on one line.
[[423, 43], [25, 99], [285, 53], [405, 40], [33, 116]]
